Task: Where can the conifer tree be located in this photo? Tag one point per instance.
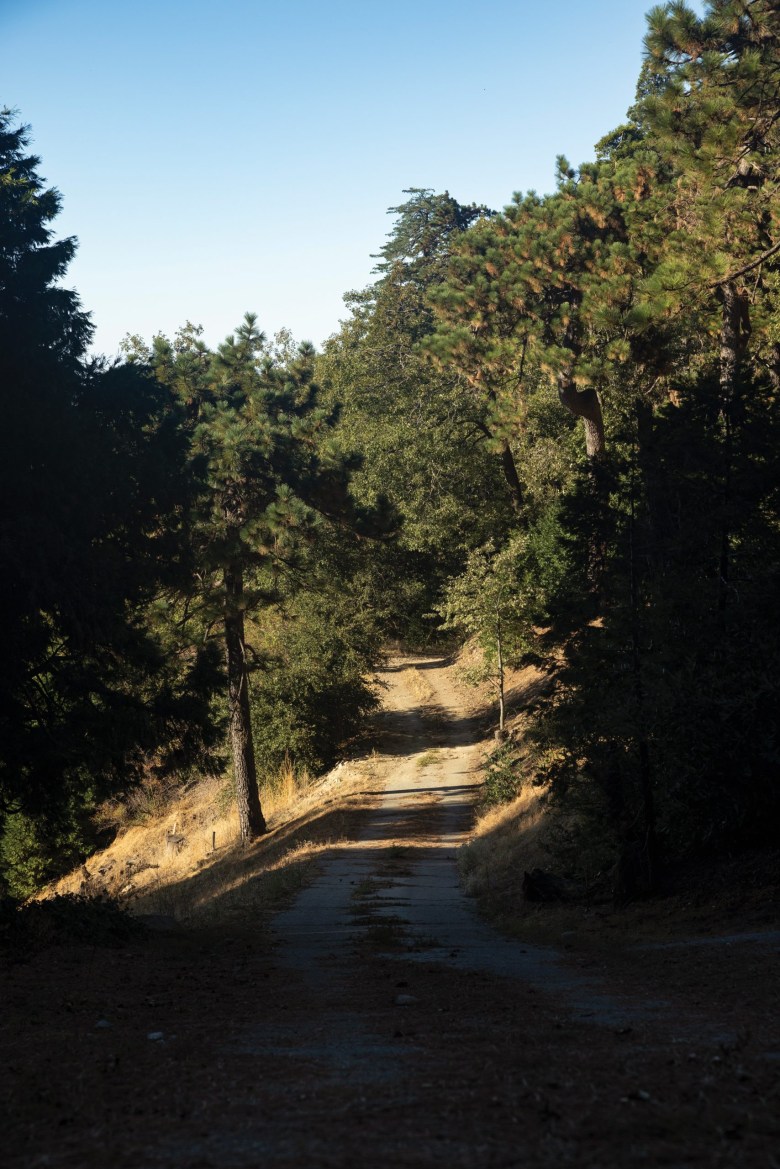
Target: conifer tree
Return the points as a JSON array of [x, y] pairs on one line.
[[543, 289], [714, 112], [265, 478], [90, 464], [423, 440]]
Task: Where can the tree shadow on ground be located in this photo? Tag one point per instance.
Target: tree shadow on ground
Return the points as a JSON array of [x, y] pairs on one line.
[[262, 878], [409, 732], [262, 875], [271, 870]]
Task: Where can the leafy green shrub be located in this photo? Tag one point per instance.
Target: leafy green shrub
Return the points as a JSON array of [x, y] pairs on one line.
[[313, 691], [34, 851], [304, 714], [503, 778]]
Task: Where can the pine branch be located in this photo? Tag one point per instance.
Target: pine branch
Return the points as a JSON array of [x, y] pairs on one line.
[[767, 255]]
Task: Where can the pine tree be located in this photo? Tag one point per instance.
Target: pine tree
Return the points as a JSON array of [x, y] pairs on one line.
[[714, 111], [265, 479], [90, 464], [423, 440]]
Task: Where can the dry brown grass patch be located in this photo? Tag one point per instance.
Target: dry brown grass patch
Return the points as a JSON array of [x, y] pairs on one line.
[[507, 840], [188, 862]]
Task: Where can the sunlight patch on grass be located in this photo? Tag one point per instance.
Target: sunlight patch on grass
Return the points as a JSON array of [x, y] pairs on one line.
[[429, 759], [188, 860], [507, 840]]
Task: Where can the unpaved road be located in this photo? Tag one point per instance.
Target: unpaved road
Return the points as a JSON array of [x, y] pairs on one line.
[[380, 1023], [400, 879]]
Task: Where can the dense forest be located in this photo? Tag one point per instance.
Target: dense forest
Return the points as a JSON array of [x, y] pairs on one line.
[[552, 428]]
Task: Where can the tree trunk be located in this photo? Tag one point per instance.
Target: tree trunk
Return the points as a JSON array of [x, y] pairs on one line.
[[250, 815], [734, 333], [649, 848], [500, 656], [584, 404], [508, 464], [511, 476], [774, 366]]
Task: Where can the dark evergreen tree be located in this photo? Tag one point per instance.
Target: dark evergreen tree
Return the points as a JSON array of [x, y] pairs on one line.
[[646, 287], [423, 440], [267, 478], [89, 474]]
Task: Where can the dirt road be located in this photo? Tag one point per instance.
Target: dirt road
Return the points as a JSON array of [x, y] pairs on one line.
[[400, 880], [381, 1023]]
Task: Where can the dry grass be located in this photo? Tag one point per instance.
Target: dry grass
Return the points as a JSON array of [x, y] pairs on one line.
[[507, 840], [186, 860], [177, 852]]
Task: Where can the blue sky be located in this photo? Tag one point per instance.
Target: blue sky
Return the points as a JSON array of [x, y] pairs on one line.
[[219, 158]]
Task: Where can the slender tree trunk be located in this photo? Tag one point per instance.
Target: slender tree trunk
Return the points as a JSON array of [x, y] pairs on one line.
[[650, 845], [512, 478], [731, 318], [500, 656], [508, 465], [584, 404], [774, 366], [250, 815]]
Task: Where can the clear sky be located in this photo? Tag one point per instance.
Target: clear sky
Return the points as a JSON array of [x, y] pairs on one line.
[[219, 157]]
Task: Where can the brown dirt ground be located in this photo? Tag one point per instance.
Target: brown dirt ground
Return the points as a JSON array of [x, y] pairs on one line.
[[476, 1071], [399, 1062]]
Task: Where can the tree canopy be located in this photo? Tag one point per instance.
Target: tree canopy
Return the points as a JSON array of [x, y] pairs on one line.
[[552, 428]]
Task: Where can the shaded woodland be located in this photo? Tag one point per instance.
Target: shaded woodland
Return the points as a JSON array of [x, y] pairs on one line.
[[552, 428]]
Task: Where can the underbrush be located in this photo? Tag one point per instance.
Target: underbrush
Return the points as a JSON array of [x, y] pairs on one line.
[[508, 839], [503, 776], [63, 919]]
